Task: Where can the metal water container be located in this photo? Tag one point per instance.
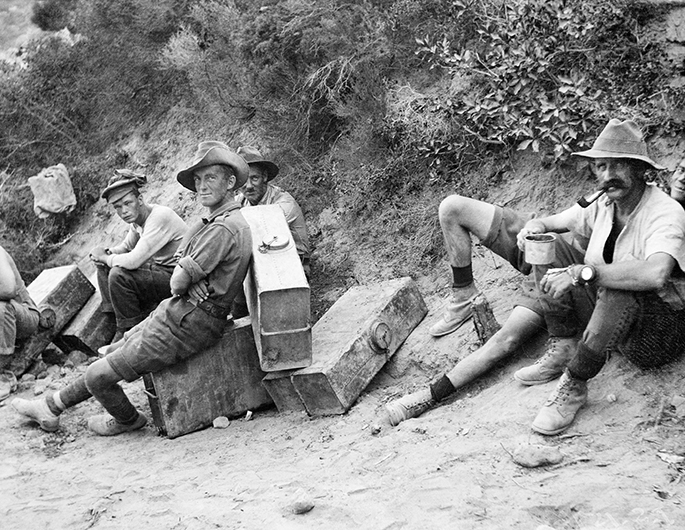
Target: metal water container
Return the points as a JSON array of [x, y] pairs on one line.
[[277, 292]]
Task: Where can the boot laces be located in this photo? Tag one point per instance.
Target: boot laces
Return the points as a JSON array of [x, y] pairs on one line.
[[553, 349], [550, 351], [562, 391]]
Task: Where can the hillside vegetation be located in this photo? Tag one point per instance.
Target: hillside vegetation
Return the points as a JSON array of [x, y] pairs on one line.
[[375, 109]]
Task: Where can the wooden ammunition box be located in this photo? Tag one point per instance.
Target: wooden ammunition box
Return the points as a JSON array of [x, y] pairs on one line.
[[59, 293], [224, 380], [280, 387], [277, 293], [89, 329], [353, 340]]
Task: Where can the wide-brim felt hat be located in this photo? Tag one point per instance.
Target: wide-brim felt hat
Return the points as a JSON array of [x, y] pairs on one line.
[[211, 153], [122, 183], [253, 157], [620, 139]]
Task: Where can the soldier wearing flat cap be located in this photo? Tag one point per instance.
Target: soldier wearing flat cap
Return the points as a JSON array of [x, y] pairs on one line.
[[215, 253], [134, 275]]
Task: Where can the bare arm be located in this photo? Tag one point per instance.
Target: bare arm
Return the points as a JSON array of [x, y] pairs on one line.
[[8, 282], [180, 281], [558, 223], [638, 275]]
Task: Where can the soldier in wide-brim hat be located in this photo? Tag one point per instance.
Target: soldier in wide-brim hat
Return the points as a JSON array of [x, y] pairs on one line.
[[212, 263], [611, 257]]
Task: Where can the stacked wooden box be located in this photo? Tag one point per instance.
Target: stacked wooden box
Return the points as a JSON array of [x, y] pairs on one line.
[[59, 293], [351, 343]]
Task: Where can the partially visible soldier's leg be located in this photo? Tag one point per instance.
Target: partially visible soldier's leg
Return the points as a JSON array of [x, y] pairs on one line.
[[495, 227], [522, 324], [134, 293], [609, 324]]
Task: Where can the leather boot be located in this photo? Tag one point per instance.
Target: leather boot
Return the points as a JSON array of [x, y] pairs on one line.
[[561, 407], [458, 311], [558, 352], [410, 406]]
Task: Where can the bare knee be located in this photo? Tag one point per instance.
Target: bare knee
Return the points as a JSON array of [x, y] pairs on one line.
[[100, 375], [451, 209]]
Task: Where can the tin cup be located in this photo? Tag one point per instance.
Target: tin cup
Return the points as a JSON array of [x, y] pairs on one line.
[[539, 249]]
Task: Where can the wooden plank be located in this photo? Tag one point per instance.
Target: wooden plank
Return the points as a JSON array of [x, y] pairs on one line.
[[483, 319], [59, 293], [277, 293], [280, 387], [89, 329], [224, 380], [353, 340]]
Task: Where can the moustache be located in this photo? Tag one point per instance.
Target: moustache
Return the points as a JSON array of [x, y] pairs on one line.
[[612, 184]]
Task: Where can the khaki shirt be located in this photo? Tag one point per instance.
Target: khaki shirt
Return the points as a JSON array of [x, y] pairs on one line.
[[218, 249]]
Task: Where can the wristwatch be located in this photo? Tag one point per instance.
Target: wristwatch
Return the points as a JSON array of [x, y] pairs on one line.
[[587, 274]]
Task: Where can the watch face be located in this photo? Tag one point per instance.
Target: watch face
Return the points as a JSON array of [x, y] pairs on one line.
[[586, 273]]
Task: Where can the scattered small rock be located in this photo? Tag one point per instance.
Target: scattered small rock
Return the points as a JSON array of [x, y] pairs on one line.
[[303, 503], [28, 378], [248, 415], [375, 429], [40, 387], [301, 507], [679, 403], [77, 357], [53, 356], [221, 422], [534, 455], [611, 398]]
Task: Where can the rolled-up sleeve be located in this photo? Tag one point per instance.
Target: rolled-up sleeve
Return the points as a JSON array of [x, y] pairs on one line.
[[207, 252]]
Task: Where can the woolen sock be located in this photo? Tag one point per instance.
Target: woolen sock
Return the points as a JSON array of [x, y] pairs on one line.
[[462, 276], [442, 388], [74, 393]]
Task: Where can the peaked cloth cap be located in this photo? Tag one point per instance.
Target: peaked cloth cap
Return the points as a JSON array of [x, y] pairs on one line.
[[620, 139], [253, 157], [122, 183], [211, 153]]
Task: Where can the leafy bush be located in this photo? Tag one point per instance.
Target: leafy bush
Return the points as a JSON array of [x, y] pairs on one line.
[[52, 15], [546, 72]]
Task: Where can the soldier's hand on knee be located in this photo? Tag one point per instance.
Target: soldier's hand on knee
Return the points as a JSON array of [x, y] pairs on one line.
[[557, 282]]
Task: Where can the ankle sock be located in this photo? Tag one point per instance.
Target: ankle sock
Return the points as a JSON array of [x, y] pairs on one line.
[[442, 388], [52, 403], [462, 276]]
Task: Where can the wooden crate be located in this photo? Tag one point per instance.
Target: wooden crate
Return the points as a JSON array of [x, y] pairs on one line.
[[59, 293], [353, 340], [277, 293], [89, 329], [280, 387], [224, 380]]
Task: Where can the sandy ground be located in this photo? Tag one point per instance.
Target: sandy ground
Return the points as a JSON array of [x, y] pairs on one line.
[[450, 468]]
